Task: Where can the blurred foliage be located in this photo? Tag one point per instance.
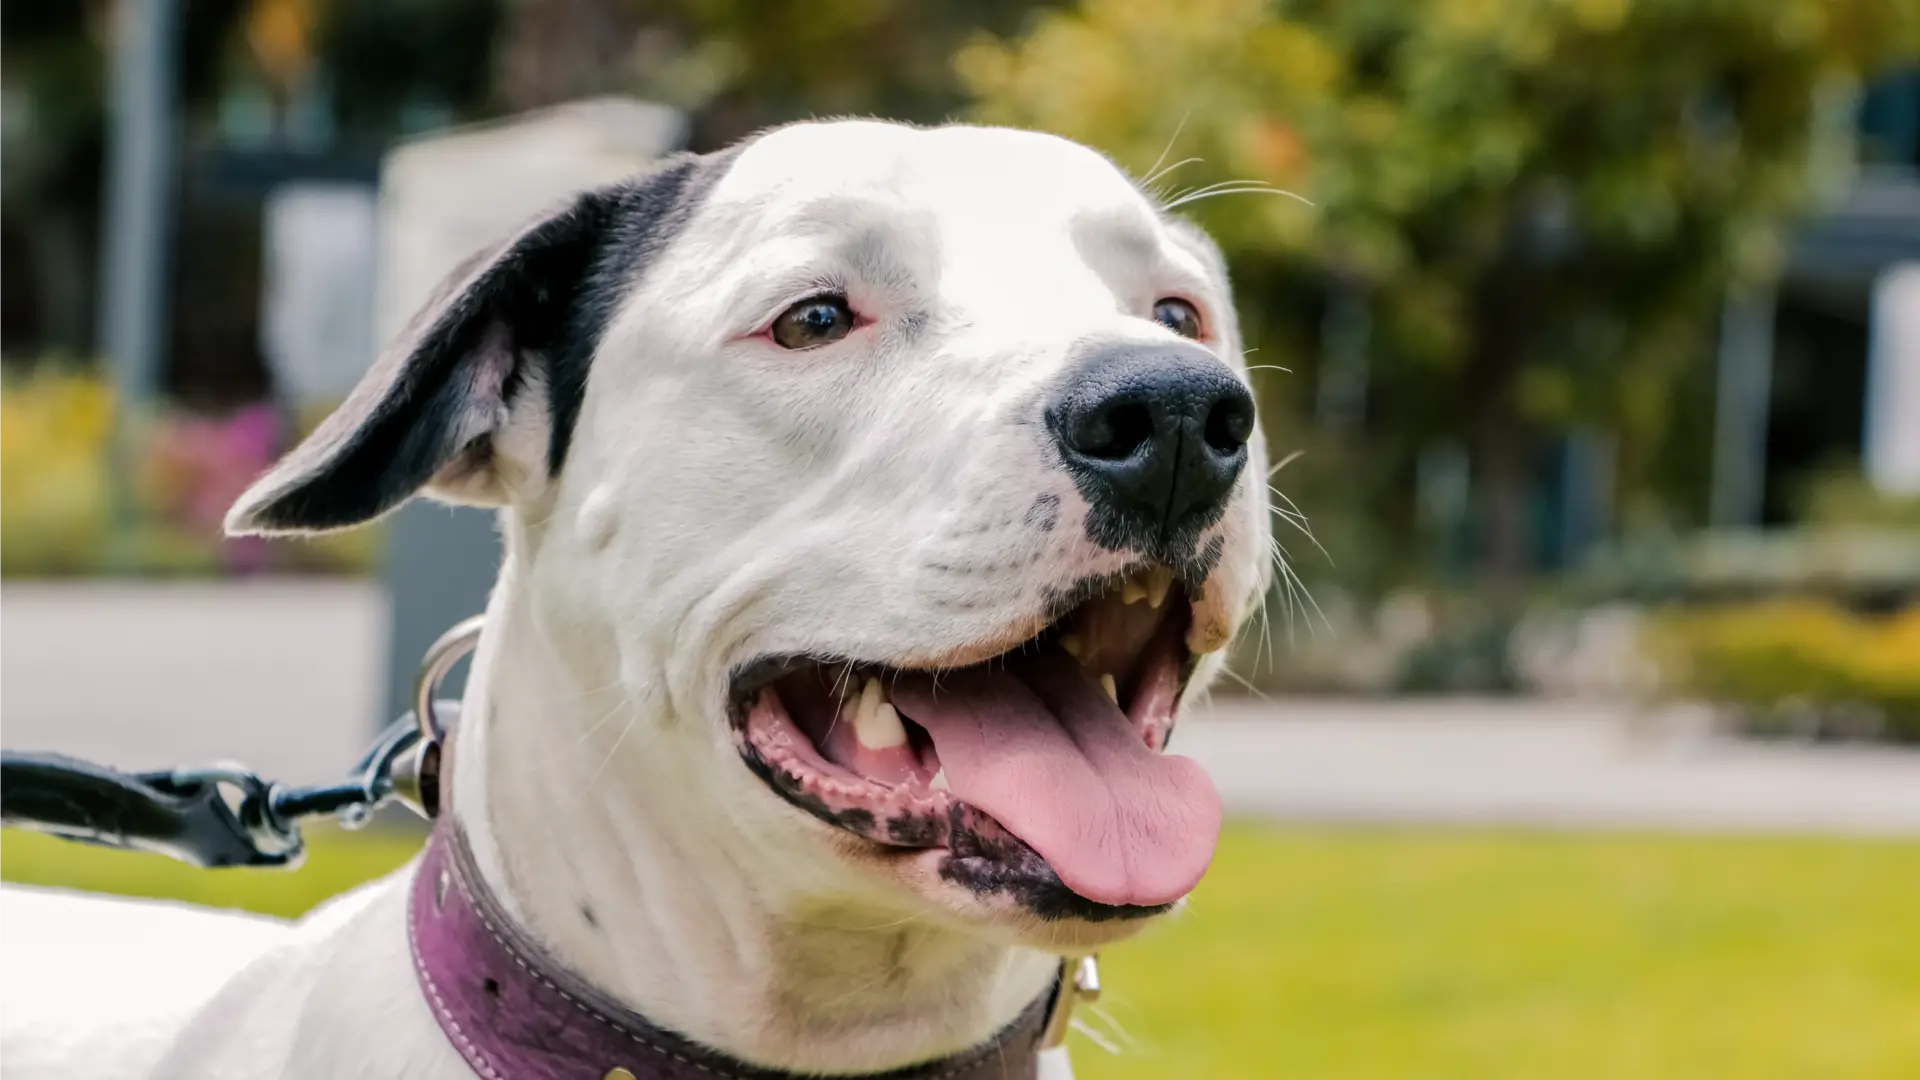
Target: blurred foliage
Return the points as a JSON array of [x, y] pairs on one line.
[[1869, 564], [57, 499], [1541, 203], [55, 504], [1841, 496], [1797, 665], [740, 65], [1411, 641]]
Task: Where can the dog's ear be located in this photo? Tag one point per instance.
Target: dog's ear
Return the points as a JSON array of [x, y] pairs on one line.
[[480, 391]]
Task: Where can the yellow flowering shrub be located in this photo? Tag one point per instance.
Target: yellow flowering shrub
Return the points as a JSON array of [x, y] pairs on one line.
[[1795, 654], [55, 427], [57, 515]]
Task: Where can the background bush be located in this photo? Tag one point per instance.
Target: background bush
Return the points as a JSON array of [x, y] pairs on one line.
[[58, 516], [1799, 666]]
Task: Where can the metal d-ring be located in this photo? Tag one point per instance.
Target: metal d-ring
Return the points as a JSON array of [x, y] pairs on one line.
[[1079, 984], [458, 641]]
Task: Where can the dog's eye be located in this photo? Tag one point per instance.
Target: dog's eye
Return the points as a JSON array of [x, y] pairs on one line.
[[1178, 316], [820, 320]]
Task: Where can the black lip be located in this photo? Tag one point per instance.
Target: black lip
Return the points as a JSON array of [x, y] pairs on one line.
[[983, 857]]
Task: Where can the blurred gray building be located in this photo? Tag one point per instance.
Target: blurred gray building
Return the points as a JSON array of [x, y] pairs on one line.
[[1825, 367]]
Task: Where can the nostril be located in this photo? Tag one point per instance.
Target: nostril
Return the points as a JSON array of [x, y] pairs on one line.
[[1114, 432], [1230, 424]]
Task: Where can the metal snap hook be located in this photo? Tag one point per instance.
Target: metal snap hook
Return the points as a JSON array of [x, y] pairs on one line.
[[462, 638]]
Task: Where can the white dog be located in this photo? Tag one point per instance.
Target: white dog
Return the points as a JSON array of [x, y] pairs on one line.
[[872, 496]]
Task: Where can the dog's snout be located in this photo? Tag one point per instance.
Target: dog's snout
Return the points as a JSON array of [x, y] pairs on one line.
[[1155, 435]]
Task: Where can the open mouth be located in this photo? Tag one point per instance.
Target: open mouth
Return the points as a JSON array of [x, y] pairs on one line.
[[1037, 772]]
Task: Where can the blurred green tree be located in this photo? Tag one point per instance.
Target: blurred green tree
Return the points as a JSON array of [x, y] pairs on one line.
[[53, 78], [1538, 205], [740, 65]]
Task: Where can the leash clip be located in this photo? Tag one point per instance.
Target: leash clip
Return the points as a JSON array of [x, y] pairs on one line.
[[459, 640], [225, 814]]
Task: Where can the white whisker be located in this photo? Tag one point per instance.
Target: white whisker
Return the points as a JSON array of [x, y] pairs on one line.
[[1245, 683], [1287, 571], [1193, 197], [1169, 169], [1293, 515], [1154, 170], [611, 750], [1113, 1024], [1094, 1037], [1285, 461]]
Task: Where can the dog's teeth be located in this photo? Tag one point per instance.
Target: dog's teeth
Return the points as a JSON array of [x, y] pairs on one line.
[[1132, 592], [1158, 581], [876, 723], [939, 781], [884, 731], [869, 699], [1113, 691], [1074, 646]]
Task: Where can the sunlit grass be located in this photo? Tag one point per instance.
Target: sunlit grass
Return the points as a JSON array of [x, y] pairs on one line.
[[1397, 955], [336, 861], [1436, 954]]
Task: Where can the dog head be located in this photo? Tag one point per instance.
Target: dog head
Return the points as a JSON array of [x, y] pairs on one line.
[[912, 472]]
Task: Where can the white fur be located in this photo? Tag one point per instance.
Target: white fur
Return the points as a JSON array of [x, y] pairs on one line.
[[722, 499]]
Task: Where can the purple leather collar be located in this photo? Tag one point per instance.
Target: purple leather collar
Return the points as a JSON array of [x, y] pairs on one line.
[[516, 1014]]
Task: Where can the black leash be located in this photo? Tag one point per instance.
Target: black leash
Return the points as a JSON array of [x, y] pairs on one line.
[[227, 815], [216, 816]]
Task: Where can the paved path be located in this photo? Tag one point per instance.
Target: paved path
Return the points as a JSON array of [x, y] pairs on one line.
[[281, 675], [1541, 764], [286, 677]]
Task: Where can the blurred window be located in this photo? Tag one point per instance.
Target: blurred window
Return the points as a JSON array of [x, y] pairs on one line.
[[1890, 122]]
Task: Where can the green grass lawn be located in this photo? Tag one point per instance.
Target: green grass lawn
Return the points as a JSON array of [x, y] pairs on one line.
[[1396, 955]]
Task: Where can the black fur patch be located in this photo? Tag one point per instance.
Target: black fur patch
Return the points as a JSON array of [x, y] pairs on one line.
[[914, 830], [1044, 514], [643, 217], [546, 293], [987, 859]]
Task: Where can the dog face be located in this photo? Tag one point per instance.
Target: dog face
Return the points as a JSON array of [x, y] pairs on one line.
[[910, 474]]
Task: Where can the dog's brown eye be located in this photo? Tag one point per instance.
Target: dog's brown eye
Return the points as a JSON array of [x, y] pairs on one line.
[[811, 323], [1178, 316]]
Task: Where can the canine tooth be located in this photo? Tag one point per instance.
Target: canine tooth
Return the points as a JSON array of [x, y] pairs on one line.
[[875, 721], [1113, 691], [1132, 592], [882, 730], [1074, 646], [939, 781], [1157, 582]]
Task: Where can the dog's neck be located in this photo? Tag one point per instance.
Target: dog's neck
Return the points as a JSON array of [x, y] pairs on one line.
[[599, 820]]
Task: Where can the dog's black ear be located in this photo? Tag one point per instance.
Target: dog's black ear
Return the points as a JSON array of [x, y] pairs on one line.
[[507, 336]]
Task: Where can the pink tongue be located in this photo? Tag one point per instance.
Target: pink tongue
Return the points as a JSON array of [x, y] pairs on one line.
[[1043, 750]]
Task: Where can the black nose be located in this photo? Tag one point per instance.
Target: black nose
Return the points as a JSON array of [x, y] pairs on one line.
[[1155, 436]]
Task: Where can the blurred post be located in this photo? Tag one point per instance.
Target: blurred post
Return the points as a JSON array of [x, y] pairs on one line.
[[442, 198], [1346, 332], [1586, 493], [139, 189], [1892, 450], [1740, 408]]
